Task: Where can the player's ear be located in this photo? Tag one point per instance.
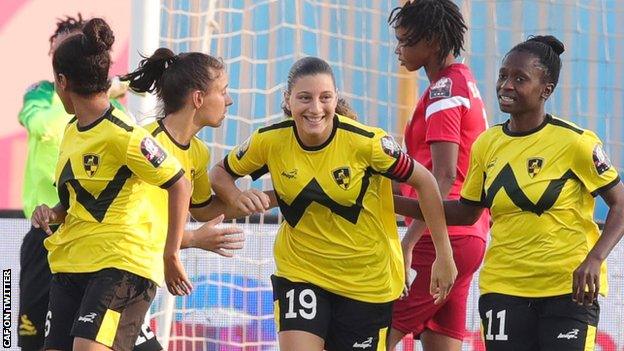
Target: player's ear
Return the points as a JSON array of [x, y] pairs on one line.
[[61, 81], [197, 98], [286, 100], [547, 91]]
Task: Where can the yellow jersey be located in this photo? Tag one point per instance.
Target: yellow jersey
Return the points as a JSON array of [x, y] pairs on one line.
[[194, 158], [540, 188], [103, 174], [340, 229]]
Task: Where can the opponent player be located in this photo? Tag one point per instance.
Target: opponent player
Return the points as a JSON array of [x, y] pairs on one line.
[[539, 174], [338, 256], [103, 256], [447, 120]]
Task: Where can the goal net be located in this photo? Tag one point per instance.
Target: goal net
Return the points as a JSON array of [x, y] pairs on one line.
[[231, 307]]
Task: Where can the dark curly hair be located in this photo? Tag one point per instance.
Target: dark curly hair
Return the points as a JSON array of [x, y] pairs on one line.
[[547, 49], [432, 20], [173, 76], [84, 58], [67, 25]]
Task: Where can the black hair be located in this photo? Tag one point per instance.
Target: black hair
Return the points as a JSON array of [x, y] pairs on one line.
[[67, 25], [547, 49], [173, 76], [432, 20], [84, 58], [309, 66]]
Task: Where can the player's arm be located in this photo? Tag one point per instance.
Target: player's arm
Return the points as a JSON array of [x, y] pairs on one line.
[[444, 170], [594, 169], [179, 194], [588, 273], [245, 202], [456, 212], [443, 270], [217, 207]]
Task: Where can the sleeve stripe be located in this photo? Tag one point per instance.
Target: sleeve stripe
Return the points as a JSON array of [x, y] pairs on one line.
[[173, 179], [229, 169], [445, 104], [201, 204], [402, 166], [604, 188]]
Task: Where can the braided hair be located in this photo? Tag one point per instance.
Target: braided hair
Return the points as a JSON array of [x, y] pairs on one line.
[[432, 20]]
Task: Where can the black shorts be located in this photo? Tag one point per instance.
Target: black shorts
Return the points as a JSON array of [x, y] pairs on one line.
[[344, 323], [34, 286], [107, 306], [546, 323]]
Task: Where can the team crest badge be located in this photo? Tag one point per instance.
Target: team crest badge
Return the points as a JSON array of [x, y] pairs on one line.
[[342, 176], [534, 166], [91, 162]]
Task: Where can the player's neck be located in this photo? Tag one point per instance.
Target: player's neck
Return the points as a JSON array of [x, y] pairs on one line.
[[89, 109], [180, 126], [434, 68], [526, 122]]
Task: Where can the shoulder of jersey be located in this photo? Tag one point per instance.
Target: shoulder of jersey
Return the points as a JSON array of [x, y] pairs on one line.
[[354, 127], [122, 120], [279, 126], [567, 125], [151, 127], [197, 143]]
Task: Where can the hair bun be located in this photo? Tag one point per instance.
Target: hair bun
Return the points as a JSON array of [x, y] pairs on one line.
[[99, 36], [551, 41]]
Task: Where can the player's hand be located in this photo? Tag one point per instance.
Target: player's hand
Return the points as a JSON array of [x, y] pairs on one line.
[[407, 267], [43, 216], [586, 275], [175, 275], [252, 201], [443, 274], [209, 237]]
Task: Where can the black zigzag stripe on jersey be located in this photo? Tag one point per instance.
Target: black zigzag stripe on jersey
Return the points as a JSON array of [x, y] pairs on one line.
[[313, 192], [97, 207], [506, 179]]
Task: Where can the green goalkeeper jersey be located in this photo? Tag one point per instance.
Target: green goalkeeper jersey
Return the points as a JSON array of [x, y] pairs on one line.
[[45, 119]]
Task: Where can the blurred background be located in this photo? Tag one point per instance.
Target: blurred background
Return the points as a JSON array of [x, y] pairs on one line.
[[259, 40]]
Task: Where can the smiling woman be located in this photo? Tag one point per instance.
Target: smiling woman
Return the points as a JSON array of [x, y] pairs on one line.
[[338, 255]]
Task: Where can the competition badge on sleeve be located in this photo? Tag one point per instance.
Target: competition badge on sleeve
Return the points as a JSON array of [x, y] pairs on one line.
[[242, 148], [152, 152], [601, 160], [390, 146], [441, 88]]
